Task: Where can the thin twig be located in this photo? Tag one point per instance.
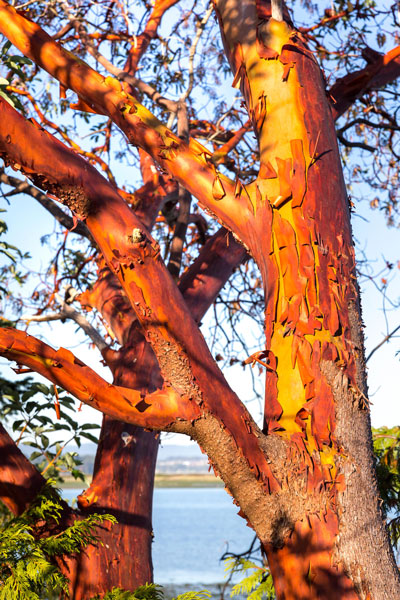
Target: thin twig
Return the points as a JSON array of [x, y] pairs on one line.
[[120, 74], [192, 51], [67, 312], [385, 339]]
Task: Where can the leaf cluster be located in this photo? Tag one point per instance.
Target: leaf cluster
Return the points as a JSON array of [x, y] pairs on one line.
[[257, 582], [31, 407], [14, 64], [9, 271], [150, 591], [28, 552]]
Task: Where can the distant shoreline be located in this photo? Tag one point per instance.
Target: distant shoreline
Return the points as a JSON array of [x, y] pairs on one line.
[[187, 480], [162, 480]]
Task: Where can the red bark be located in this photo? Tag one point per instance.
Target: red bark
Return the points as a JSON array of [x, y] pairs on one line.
[[187, 163], [134, 257], [20, 481], [143, 40]]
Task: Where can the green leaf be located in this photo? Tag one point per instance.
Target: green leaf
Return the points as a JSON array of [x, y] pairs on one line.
[[90, 437], [23, 60], [90, 426], [5, 48], [41, 387]]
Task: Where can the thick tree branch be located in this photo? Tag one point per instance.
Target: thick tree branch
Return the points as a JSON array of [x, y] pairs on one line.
[[188, 164], [145, 88], [135, 258], [220, 154], [201, 283], [23, 187], [382, 71], [184, 200], [158, 410]]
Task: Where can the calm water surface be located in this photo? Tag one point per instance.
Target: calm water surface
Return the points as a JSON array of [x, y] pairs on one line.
[[193, 527]]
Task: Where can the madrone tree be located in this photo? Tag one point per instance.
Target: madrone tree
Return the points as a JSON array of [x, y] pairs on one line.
[[304, 482]]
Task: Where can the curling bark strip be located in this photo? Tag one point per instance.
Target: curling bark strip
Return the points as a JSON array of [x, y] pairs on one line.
[[189, 163], [157, 410]]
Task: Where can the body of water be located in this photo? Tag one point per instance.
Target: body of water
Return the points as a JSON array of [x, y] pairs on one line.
[[193, 527]]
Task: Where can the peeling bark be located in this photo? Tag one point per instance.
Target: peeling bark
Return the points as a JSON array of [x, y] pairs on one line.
[[298, 483]]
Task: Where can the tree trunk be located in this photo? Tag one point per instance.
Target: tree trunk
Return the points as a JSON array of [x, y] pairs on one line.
[[305, 253]]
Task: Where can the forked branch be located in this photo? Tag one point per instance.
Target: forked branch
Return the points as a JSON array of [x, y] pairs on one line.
[[134, 257]]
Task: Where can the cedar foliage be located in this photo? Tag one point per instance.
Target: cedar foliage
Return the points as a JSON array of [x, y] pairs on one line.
[[28, 552]]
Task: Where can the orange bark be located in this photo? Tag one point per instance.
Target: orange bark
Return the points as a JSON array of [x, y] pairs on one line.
[[302, 568], [157, 410], [124, 471], [134, 257], [302, 243]]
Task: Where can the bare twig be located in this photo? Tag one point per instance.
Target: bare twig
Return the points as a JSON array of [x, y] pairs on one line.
[[385, 339], [192, 51], [120, 74], [349, 144], [67, 312]]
